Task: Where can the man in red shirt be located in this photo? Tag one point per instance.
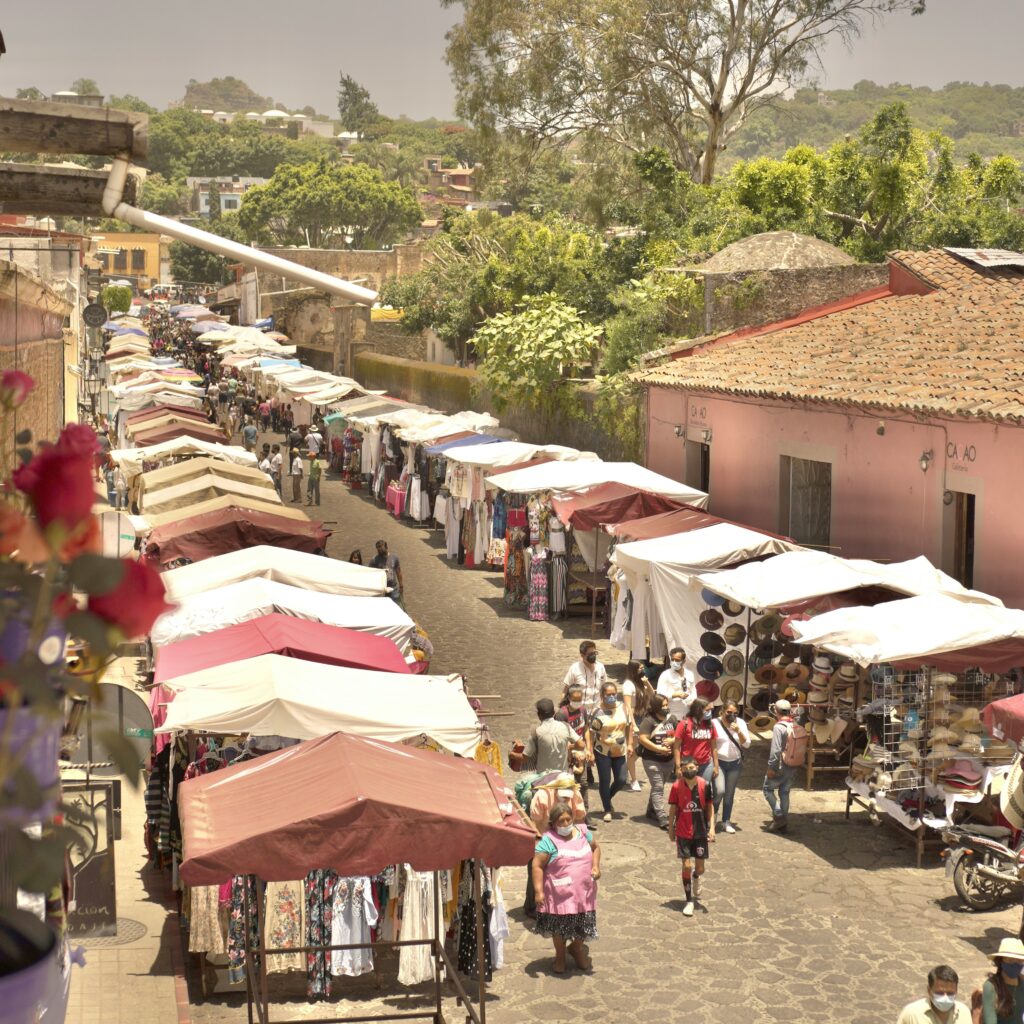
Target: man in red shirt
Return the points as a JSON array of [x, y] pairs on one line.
[[691, 824]]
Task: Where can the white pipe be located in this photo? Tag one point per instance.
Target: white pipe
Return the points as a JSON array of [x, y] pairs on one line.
[[114, 207]]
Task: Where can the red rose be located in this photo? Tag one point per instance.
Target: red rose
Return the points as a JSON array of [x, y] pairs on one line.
[[60, 484], [135, 603], [14, 388], [78, 439]]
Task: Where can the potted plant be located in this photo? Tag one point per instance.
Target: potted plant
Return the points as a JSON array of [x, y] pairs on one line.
[[54, 586]]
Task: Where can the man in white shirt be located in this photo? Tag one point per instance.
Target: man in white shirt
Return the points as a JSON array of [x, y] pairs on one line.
[[276, 466], [587, 673], [314, 442], [677, 684], [940, 1005]]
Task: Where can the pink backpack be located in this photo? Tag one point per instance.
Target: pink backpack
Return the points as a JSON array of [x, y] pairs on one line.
[[794, 753]]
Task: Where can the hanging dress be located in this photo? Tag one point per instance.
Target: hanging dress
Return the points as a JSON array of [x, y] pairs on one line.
[[354, 914], [414, 962]]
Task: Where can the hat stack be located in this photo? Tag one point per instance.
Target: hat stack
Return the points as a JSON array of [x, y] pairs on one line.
[[961, 777], [821, 673], [817, 701], [969, 721], [842, 685]]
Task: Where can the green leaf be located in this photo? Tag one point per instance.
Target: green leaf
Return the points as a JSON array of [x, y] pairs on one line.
[[90, 628], [95, 574], [23, 437]]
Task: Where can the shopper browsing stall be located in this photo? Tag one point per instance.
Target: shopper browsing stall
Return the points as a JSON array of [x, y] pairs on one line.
[[778, 780]]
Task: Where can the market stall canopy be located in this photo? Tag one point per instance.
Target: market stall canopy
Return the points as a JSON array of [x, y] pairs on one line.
[[155, 420], [164, 409], [386, 805], [168, 476], [585, 473], [130, 459], [932, 630], [238, 602], [462, 442], [278, 634], [296, 568], [203, 488], [797, 576], [662, 524], [508, 453], [142, 399], [267, 696], [715, 546], [606, 503], [197, 537], [226, 501], [197, 431], [1004, 719]]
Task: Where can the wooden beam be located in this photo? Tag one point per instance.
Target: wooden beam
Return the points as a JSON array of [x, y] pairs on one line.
[[38, 126], [68, 191]]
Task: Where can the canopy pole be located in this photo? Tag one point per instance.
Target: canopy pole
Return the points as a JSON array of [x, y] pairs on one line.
[[436, 950], [481, 967], [593, 600], [248, 946], [746, 665]]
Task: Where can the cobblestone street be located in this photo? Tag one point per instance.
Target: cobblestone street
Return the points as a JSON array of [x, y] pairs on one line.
[[829, 922]]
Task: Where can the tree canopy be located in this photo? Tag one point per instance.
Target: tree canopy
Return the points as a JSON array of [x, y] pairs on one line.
[[228, 93], [326, 205], [355, 106], [85, 87]]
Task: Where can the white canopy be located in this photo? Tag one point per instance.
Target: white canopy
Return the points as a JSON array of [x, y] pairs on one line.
[[711, 547], [800, 575], [130, 459], [141, 399], [479, 422], [508, 453], [911, 629], [200, 488], [267, 696], [250, 598], [296, 568], [585, 473]]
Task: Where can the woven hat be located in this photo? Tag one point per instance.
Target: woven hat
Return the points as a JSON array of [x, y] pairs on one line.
[[768, 624], [970, 720], [712, 618], [733, 608], [822, 732], [733, 663], [822, 664], [818, 681], [712, 643], [971, 744], [908, 749], [848, 672], [963, 770], [797, 675], [943, 679], [1011, 800], [940, 694], [735, 634], [1009, 949], [731, 690], [817, 697], [761, 721], [942, 752], [942, 735], [999, 751], [816, 713], [770, 675]]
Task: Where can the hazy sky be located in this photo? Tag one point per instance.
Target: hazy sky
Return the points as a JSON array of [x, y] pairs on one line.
[[293, 51]]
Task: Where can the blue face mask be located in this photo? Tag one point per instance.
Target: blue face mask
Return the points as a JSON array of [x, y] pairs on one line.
[[1011, 968], [610, 699]]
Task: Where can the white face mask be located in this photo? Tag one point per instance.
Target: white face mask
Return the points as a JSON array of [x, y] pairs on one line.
[[564, 831], [575, 705], [942, 1002], [677, 665]]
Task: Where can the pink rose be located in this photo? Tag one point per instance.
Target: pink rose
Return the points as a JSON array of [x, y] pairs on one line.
[[14, 388], [135, 603]]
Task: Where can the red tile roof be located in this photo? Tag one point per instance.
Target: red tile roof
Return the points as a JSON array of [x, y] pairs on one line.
[[955, 351]]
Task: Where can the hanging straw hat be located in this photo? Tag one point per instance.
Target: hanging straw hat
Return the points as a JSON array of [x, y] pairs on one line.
[[735, 634], [733, 662], [733, 608], [731, 690], [770, 675], [822, 664], [760, 722], [848, 672], [970, 720], [712, 618], [797, 675]]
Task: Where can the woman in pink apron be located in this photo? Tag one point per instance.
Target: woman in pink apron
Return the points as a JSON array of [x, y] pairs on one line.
[[566, 867]]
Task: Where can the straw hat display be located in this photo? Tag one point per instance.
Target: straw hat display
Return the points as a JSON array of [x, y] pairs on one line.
[[797, 675], [969, 720], [760, 722], [822, 664], [997, 750], [733, 662], [971, 745], [1011, 800], [942, 735], [731, 689], [941, 752], [735, 634], [848, 673], [770, 675]]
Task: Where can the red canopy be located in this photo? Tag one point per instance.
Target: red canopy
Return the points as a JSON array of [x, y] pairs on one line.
[[169, 431], [682, 519], [228, 529], [349, 804], [279, 634], [1006, 715], [164, 409], [609, 503]]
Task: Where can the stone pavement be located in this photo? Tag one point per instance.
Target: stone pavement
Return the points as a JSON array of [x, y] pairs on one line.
[[831, 922]]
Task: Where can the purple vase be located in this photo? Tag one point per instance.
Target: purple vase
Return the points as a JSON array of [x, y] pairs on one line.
[[29, 974], [36, 741]]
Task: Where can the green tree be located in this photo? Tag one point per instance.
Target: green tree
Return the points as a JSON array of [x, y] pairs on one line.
[[168, 198], [355, 106], [116, 298], [30, 93], [192, 265], [527, 356], [214, 198], [329, 205], [685, 76], [228, 93], [85, 87], [130, 102]]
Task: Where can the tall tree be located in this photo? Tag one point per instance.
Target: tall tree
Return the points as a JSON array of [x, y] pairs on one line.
[[30, 93], [685, 74], [130, 102], [326, 205], [85, 87], [355, 107]]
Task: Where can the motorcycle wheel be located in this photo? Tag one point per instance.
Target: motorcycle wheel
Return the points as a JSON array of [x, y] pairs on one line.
[[977, 892]]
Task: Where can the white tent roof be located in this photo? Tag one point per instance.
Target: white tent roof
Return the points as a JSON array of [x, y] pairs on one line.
[[130, 459], [250, 598], [267, 696], [140, 399], [296, 568], [508, 453], [209, 485], [800, 575], [910, 629], [708, 548], [480, 422], [585, 473]]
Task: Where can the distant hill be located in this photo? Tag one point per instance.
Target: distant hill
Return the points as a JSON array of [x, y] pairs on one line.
[[230, 94], [987, 119]]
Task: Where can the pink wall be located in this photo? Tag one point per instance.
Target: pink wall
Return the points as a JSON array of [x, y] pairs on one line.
[[883, 505]]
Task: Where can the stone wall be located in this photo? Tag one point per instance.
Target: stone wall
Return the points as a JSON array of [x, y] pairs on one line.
[[749, 298], [388, 339], [369, 267], [453, 389]]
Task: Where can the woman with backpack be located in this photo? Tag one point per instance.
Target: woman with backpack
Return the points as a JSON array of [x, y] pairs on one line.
[[695, 738], [787, 753]]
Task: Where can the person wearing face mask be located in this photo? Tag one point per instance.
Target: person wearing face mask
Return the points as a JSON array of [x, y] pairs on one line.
[[608, 738], [940, 1005], [547, 749], [731, 739], [695, 738], [677, 684], [1002, 995], [654, 741], [565, 869], [588, 673], [691, 819], [574, 714]]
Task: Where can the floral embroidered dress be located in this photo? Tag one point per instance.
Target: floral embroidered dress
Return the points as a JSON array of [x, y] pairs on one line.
[[286, 920]]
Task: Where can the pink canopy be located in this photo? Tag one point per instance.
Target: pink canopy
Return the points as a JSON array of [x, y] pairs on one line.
[[349, 804], [609, 503], [279, 634]]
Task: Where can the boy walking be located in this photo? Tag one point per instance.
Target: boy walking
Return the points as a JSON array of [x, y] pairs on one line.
[[691, 824], [313, 482]]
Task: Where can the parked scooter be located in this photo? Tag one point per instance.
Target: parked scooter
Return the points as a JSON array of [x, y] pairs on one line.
[[984, 869]]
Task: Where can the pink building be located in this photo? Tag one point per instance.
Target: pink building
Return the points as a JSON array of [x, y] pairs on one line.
[[887, 425]]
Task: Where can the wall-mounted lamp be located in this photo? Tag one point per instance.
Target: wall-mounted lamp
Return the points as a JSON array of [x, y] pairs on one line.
[[706, 435], [925, 460], [880, 429], [947, 497], [678, 430]]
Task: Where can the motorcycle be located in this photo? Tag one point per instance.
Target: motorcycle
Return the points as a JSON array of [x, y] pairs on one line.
[[983, 868]]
